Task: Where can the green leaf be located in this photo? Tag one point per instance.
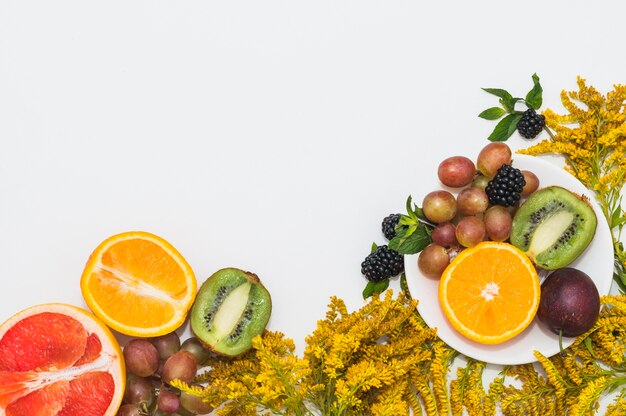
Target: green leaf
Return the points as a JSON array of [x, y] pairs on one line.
[[504, 128], [533, 98], [406, 220], [589, 346], [375, 287], [506, 99], [619, 276], [499, 93], [413, 243], [513, 124], [374, 247], [492, 113], [410, 230]]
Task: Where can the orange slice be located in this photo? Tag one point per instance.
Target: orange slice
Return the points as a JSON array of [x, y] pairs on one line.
[[138, 284], [490, 292], [57, 359]]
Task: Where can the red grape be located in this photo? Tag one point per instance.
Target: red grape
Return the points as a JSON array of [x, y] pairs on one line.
[[194, 346], [129, 410], [139, 390], [433, 260], [470, 231], [498, 222], [456, 171], [166, 344], [181, 365], [439, 206], [168, 401], [480, 181], [492, 157], [194, 404], [141, 357], [472, 201], [444, 234], [532, 183]]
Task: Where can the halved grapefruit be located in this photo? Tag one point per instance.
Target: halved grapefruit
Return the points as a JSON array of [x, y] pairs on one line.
[[59, 360]]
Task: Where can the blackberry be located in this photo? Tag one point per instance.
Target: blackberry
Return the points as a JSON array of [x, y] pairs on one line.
[[531, 124], [505, 188], [389, 225], [382, 264]]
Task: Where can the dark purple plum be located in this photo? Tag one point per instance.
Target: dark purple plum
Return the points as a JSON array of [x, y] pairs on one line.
[[570, 303]]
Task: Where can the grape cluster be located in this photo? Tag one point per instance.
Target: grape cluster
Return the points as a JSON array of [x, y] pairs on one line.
[[151, 364], [473, 214]]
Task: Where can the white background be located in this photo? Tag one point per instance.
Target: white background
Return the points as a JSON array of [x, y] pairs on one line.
[[272, 136]]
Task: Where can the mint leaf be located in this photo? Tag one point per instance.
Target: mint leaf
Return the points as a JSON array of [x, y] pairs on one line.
[[374, 247], [513, 124], [499, 93], [503, 129], [375, 287], [416, 241], [506, 99], [533, 98], [492, 113]]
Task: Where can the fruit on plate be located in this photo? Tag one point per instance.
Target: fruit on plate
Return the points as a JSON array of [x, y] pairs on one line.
[[456, 171], [506, 187], [62, 359], [433, 260], [553, 227], [490, 292], [231, 308], [439, 206], [570, 303], [138, 284], [498, 222], [492, 157]]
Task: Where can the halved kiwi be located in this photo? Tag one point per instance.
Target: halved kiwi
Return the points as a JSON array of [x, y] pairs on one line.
[[231, 308], [553, 227]]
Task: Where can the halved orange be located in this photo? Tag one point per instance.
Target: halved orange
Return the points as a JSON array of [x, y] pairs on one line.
[[490, 292], [138, 284], [59, 360]]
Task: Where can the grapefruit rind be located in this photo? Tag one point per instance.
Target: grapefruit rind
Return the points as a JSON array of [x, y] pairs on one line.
[[178, 305], [457, 323], [20, 383]]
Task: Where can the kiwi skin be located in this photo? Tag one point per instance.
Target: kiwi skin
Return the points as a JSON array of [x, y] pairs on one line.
[[247, 320], [566, 221]]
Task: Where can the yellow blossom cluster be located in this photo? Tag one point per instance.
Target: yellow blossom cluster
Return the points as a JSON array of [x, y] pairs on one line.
[[383, 360], [592, 136]]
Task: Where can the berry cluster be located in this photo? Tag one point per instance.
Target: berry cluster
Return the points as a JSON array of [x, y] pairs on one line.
[[531, 124]]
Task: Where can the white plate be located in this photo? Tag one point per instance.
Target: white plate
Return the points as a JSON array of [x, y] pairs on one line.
[[596, 261]]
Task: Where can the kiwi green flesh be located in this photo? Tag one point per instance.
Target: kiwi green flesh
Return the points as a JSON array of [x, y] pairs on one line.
[[553, 227], [230, 309]]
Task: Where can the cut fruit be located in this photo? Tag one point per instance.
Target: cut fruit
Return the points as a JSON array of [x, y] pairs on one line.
[[231, 308], [138, 284], [490, 292], [58, 359], [553, 227]]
